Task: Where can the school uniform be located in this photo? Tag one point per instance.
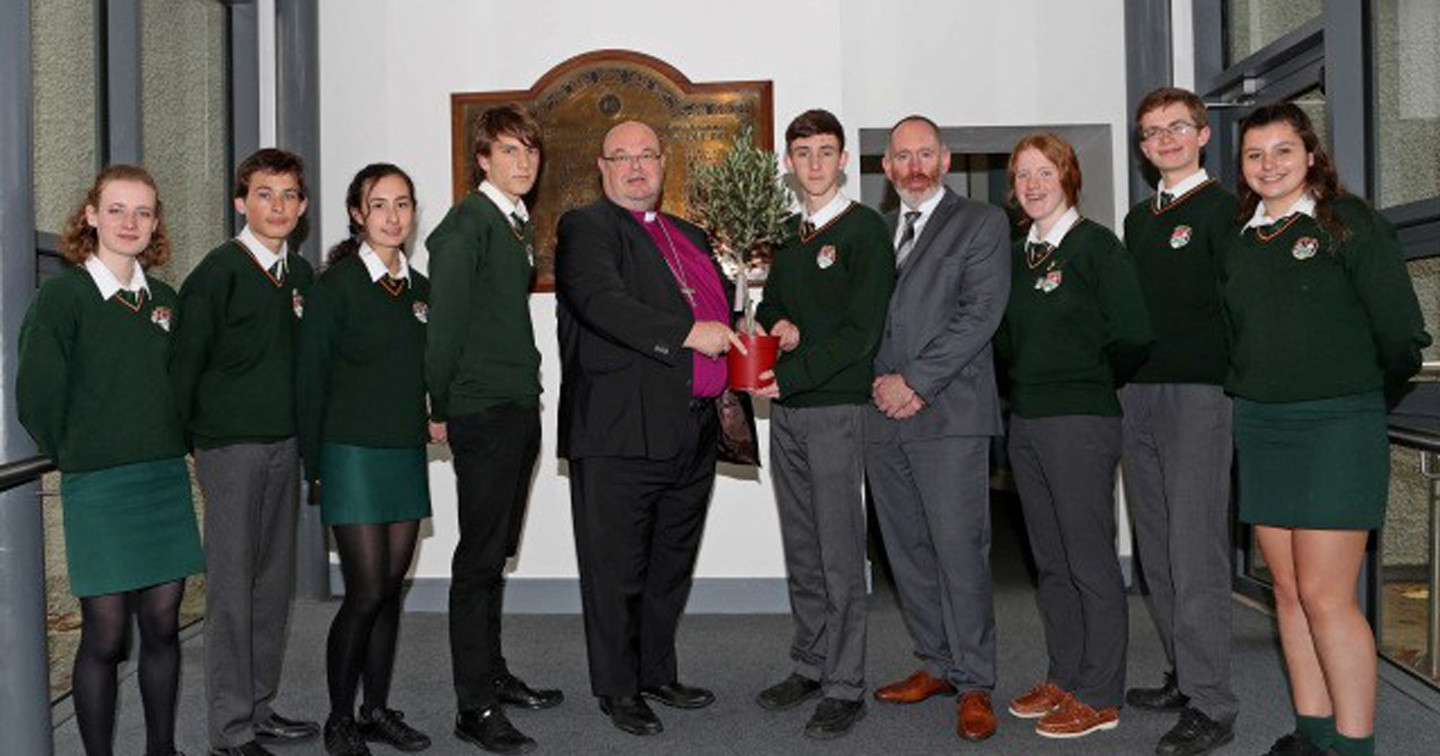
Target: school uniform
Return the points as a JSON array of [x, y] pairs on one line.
[[1075, 327], [360, 391], [483, 373], [92, 390], [234, 375], [832, 279], [1176, 434], [1322, 329]]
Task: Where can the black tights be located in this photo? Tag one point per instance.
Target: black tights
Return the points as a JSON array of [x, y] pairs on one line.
[[105, 622], [374, 560]]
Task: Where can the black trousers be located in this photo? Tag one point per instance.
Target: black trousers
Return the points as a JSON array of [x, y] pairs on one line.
[[495, 453], [637, 532]]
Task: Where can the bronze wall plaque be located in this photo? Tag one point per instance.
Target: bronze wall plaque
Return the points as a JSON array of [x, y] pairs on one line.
[[579, 100]]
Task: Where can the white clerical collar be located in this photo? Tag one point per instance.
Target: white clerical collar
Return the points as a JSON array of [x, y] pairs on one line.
[[377, 269], [260, 252], [832, 210], [1057, 231], [501, 201], [1305, 206], [106, 281], [1186, 184]]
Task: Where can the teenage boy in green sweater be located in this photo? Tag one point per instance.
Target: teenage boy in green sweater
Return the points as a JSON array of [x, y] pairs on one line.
[[483, 373], [233, 370], [826, 299], [1176, 445]]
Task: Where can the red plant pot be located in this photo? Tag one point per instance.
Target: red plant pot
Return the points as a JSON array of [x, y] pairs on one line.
[[745, 369]]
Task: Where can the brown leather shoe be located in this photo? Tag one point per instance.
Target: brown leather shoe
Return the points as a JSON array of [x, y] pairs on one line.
[[974, 717], [1036, 702], [1073, 718], [914, 689]]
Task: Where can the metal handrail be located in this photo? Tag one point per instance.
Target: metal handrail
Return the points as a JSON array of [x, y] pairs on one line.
[[23, 471]]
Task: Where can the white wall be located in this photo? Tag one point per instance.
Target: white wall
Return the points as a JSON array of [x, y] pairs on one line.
[[387, 70]]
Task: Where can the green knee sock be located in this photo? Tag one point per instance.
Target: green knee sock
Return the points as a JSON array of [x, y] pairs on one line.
[[1320, 730], [1354, 746]]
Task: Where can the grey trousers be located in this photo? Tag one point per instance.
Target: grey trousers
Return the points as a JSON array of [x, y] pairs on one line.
[[932, 500], [1065, 470], [1176, 457], [250, 511], [817, 463]]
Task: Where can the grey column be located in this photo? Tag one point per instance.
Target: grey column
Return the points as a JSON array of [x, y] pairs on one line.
[[1147, 50], [125, 142], [244, 90], [297, 65], [24, 675]]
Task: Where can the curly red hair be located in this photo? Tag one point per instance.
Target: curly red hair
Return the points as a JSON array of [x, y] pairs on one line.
[[79, 240]]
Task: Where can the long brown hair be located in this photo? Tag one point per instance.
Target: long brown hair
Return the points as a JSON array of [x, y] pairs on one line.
[[1321, 180], [355, 202], [79, 239]]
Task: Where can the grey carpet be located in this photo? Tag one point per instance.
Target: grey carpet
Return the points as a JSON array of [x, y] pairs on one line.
[[737, 655]]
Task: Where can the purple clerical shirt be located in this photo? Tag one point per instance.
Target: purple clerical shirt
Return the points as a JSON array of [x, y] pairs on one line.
[[693, 270]]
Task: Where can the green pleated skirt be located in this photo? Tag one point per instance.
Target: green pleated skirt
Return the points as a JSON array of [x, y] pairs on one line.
[[130, 526], [1321, 464], [362, 485]]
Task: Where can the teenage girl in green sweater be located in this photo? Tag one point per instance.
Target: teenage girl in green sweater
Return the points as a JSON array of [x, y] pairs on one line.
[[92, 390], [360, 401], [1323, 324]]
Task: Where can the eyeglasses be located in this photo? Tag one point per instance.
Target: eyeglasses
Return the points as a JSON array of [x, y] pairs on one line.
[[647, 157], [1175, 130]]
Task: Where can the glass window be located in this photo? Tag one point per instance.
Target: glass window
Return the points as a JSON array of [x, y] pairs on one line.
[[65, 107], [186, 123], [1425, 277], [1407, 58], [1408, 630], [1253, 24], [1312, 101]]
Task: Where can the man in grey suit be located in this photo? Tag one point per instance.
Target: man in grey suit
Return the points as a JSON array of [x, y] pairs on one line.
[[928, 440]]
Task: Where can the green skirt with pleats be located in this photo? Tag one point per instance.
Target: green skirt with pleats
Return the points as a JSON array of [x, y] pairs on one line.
[[1321, 464], [362, 485], [130, 526]]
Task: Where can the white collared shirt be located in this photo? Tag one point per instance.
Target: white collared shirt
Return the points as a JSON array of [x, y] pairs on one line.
[[1057, 231], [832, 210], [108, 284], [377, 269], [1186, 184], [501, 201], [926, 208], [1305, 206], [260, 252]]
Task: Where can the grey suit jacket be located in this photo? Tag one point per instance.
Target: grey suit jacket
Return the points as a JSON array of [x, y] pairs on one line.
[[949, 298]]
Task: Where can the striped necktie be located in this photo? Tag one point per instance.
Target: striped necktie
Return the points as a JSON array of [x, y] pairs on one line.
[[907, 237]]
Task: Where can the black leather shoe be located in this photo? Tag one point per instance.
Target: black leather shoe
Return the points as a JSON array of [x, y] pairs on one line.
[[833, 718], [788, 693], [489, 729], [678, 695], [513, 691], [342, 737], [631, 714], [278, 729], [1294, 744], [252, 748], [1167, 697], [388, 726], [1194, 734]]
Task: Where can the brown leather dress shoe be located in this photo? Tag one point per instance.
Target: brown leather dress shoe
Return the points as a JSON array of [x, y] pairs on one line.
[[914, 689], [1036, 702], [974, 717]]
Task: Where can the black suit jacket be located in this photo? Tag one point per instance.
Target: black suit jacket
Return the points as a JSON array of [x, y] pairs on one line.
[[625, 375]]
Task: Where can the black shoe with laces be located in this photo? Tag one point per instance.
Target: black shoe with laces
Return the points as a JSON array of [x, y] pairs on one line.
[[834, 717], [342, 737], [1194, 734], [788, 693], [388, 726], [492, 731], [1294, 744], [1167, 697]]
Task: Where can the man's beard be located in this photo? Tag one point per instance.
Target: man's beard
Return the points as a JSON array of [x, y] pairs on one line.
[[913, 197]]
